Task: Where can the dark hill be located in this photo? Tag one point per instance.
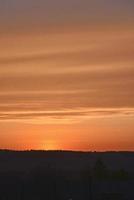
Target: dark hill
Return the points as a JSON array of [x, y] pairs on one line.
[[24, 160], [66, 175]]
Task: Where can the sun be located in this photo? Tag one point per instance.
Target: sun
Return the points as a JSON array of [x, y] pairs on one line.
[[50, 145]]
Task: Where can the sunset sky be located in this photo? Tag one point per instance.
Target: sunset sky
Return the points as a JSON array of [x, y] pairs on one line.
[[67, 74]]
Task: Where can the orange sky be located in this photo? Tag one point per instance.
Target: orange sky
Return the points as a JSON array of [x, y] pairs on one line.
[[67, 75]]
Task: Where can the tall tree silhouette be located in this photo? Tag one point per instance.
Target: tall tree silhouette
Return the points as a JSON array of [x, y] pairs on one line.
[[100, 170]]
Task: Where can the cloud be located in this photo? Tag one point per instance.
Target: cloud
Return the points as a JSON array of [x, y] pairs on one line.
[[93, 88], [65, 116], [74, 47], [84, 79], [71, 68]]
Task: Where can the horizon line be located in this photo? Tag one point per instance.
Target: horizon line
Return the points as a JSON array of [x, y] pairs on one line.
[[67, 150]]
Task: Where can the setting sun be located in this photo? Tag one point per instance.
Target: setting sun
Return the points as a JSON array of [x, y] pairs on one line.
[[49, 145]]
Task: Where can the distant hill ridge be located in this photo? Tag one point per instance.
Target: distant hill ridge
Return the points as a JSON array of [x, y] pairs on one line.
[[22, 160]]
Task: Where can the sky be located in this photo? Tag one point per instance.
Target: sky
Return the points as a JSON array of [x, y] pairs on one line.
[[67, 75]]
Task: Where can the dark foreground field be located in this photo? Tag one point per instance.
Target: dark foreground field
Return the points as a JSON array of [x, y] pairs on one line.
[[58, 175]]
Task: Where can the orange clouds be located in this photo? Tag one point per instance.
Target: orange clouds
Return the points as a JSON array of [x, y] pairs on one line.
[[81, 64]]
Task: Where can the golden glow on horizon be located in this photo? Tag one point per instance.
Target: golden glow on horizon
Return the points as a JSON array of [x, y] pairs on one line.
[[49, 145]]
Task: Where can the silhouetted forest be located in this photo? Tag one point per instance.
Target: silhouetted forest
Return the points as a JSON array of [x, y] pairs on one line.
[[64, 175]]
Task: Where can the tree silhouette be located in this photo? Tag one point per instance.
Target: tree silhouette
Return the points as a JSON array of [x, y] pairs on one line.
[[100, 170]]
